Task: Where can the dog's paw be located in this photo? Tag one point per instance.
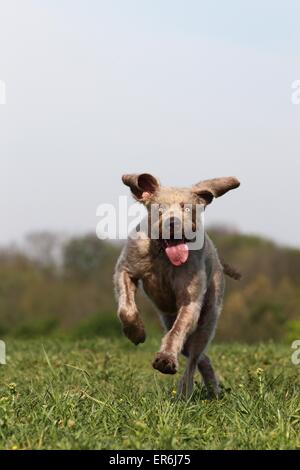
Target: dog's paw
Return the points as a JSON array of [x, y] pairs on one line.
[[165, 363], [135, 331]]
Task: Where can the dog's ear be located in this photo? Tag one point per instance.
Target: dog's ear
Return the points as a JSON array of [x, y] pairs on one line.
[[209, 189], [142, 186]]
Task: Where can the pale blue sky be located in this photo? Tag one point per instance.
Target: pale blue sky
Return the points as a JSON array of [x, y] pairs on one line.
[[183, 89]]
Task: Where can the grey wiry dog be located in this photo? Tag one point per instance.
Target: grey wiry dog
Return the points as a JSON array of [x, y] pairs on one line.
[[185, 285]]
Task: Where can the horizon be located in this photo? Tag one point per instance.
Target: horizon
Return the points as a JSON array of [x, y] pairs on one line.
[[64, 236]]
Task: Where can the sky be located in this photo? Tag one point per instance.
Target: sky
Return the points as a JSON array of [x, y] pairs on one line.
[[183, 90]]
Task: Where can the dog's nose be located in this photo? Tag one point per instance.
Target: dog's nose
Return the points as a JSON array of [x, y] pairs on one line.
[[173, 223]]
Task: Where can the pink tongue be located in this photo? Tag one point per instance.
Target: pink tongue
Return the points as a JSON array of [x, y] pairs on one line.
[[177, 254]]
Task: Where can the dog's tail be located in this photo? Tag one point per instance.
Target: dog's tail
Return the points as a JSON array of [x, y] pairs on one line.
[[231, 272]]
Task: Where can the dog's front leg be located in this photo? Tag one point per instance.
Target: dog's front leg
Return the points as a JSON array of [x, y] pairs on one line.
[[166, 359], [127, 310]]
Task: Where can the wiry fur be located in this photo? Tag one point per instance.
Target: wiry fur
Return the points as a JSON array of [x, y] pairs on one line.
[[188, 297]]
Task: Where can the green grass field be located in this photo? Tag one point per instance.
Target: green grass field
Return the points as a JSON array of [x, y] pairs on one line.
[[104, 394]]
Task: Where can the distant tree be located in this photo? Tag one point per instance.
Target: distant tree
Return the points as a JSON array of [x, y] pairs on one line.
[[44, 247], [83, 256], [36, 299]]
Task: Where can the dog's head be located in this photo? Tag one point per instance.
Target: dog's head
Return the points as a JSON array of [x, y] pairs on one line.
[[172, 210]]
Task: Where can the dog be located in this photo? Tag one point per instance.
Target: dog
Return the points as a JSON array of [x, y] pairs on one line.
[[186, 285]]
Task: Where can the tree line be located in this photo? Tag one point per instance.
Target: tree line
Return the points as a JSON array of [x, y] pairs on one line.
[[63, 286]]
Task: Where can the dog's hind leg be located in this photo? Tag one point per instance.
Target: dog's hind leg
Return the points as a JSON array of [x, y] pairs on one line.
[[185, 386], [209, 377]]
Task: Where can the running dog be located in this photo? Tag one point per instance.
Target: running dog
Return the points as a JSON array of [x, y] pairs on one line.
[[186, 285]]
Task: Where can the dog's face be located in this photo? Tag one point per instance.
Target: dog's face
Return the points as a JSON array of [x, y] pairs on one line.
[[174, 212]]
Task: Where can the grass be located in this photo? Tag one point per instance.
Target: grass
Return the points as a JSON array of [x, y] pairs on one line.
[[104, 394]]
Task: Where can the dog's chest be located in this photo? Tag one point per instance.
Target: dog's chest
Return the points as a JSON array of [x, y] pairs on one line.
[[159, 286]]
